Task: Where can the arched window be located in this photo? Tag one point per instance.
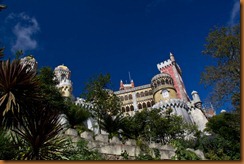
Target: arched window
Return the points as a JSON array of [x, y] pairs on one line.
[[142, 94], [127, 109], [155, 85], [148, 104], [126, 97], [162, 82], [144, 105], [158, 82], [130, 96], [150, 92], [63, 76], [137, 95], [139, 106], [122, 98], [131, 108], [146, 93]]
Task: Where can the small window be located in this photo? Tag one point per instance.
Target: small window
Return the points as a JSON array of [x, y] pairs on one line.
[[137, 95], [144, 105], [127, 109], [148, 104], [146, 93]]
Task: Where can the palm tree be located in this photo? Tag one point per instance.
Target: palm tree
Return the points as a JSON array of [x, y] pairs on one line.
[[18, 89], [40, 135], [27, 111], [112, 124]]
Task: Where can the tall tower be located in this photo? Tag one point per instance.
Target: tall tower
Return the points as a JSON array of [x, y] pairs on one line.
[[173, 69], [62, 75], [29, 62]]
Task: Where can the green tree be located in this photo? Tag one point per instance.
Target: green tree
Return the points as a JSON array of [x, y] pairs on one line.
[[223, 143], [50, 92], [76, 115], [223, 44], [112, 124], [151, 125], [104, 100], [225, 133], [225, 124]]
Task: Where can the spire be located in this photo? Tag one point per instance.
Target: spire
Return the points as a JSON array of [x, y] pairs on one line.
[[132, 83], [172, 58], [121, 85]]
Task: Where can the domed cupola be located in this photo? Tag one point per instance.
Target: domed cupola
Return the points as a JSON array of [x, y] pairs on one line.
[[62, 72], [163, 87]]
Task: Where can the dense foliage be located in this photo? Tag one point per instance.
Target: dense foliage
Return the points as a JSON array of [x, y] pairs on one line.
[[152, 126], [223, 143], [223, 44], [7, 149], [82, 152], [104, 100], [76, 115]]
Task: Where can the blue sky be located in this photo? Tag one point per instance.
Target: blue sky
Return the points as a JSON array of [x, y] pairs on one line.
[[116, 36]]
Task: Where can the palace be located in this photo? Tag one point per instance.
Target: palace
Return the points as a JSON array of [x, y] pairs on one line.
[[166, 90], [166, 85]]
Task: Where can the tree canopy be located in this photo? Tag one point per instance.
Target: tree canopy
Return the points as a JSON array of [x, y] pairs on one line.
[[223, 44]]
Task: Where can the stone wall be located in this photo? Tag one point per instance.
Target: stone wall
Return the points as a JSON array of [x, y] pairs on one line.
[[113, 148]]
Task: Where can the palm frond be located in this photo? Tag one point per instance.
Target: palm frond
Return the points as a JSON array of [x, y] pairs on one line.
[[17, 87]]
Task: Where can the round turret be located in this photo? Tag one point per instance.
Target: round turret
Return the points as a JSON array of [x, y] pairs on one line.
[[163, 87], [196, 99]]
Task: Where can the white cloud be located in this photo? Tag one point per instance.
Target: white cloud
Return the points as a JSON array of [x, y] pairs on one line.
[[24, 29], [235, 12]]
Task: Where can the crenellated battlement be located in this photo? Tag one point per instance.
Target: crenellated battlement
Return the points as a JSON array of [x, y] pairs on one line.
[[164, 64]]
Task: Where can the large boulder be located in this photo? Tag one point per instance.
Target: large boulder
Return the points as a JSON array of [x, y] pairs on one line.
[[87, 135], [102, 137]]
